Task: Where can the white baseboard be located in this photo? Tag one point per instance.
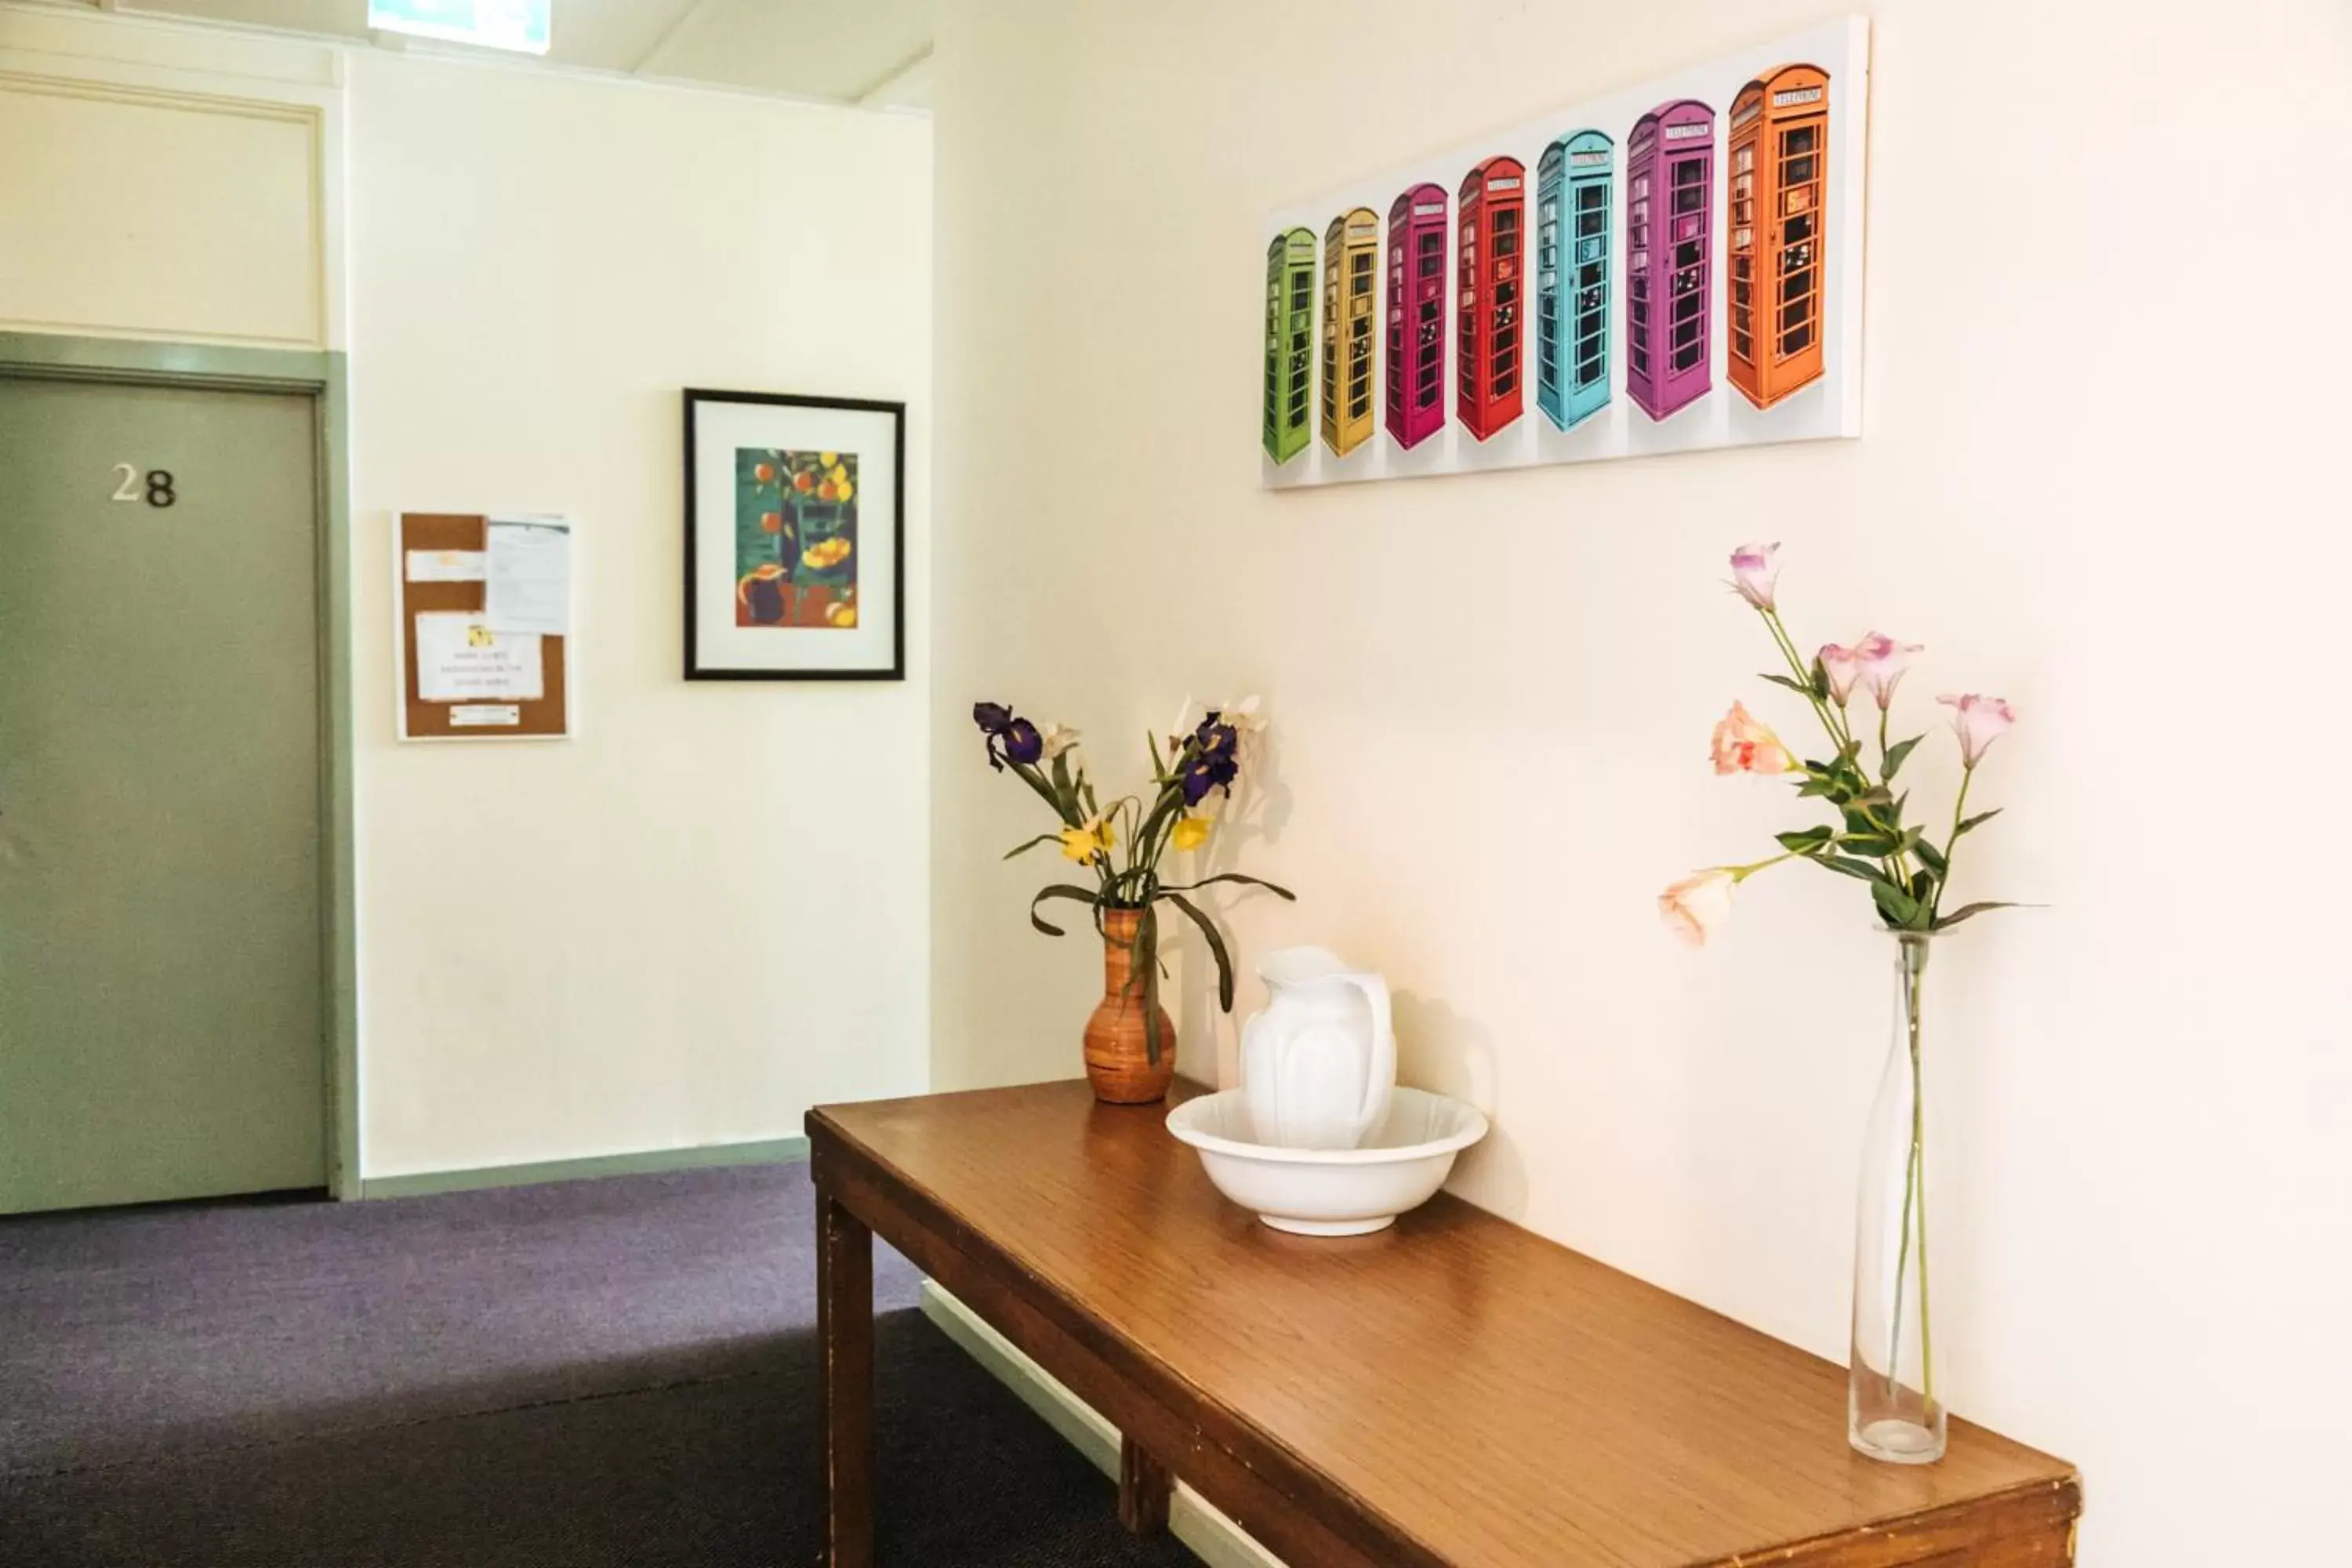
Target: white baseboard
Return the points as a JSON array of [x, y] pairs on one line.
[[1210, 1535]]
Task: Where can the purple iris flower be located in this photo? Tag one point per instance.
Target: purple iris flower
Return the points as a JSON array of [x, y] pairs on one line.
[[994, 718], [1213, 749], [1022, 742], [1216, 738]]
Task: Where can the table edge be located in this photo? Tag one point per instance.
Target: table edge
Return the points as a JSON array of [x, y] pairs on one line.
[[1292, 1470], [2064, 1481]]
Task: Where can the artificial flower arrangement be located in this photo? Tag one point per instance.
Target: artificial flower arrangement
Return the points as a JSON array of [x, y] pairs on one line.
[[1892, 1412], [1126, 843], [1904, 868]]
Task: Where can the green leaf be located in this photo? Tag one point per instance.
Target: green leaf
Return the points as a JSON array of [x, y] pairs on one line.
[[1878, 846], [1783, 680], [1821, 678], [1897, 752], [1217, 948], [1969, 911], [1822, 786], [1978, 817], [1041, 838], [1147, 953], [1061, 890], [1901, 910], [1805, 840], [1231, 877], [1862, 869], [1931, 856]]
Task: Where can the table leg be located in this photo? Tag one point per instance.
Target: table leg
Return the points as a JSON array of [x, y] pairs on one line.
[[1143, 1488], [845, 1329]]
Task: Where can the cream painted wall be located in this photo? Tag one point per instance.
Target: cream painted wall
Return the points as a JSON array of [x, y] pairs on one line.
[[160, 182], [2101, 475], [707, 912]]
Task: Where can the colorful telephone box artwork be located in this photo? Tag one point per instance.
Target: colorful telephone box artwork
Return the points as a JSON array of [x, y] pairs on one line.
[[1780, 189], [1290, 352], [795, 538], [1568, 289], [1416, 315], [1572, 231], [1489, 301], [1669, 241], [1352, 261]]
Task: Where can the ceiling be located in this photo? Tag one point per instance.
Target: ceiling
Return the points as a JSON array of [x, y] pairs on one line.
[[874, 52]]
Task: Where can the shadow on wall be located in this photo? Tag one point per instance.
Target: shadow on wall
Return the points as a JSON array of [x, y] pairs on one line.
[[1253, 817], [1439, 1049]]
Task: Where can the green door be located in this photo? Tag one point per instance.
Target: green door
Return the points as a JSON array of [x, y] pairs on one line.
[[160, 965]]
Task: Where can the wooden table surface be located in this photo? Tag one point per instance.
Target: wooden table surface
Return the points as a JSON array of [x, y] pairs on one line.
[[1455, 1390]]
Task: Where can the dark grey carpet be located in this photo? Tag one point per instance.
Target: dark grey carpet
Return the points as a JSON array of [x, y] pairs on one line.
[[597, 1373]]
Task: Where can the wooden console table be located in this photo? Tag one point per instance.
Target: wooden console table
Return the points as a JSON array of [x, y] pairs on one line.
[[1454, 1390]]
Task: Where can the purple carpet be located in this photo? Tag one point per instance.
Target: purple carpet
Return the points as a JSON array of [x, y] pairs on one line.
[[618, 1372]]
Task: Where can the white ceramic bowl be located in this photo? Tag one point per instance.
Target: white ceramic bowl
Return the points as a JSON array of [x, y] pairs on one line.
[[1330, 1192]]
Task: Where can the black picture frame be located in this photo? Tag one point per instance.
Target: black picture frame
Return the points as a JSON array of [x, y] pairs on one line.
[[695, 399]]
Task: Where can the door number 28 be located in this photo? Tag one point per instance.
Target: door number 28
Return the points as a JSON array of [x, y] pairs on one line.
[[154, 486]]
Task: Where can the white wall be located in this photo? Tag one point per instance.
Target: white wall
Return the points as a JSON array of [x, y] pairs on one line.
[[707, 912], [2100, 476]]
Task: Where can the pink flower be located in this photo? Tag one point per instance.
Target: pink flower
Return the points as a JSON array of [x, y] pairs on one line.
[[1883, 661], [1742, 745], [1697, 905], [1981, 722], [1843, 666], [1753, 573]]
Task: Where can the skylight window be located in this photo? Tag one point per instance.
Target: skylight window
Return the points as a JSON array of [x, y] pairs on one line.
[[518, 25]]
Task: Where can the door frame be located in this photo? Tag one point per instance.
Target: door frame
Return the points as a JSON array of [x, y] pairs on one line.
[[324, 378]]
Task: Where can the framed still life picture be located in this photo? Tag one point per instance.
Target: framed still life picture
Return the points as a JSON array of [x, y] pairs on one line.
[[795, 538]]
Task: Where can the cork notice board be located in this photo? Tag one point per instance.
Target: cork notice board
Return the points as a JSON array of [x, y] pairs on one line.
[[463, 677]]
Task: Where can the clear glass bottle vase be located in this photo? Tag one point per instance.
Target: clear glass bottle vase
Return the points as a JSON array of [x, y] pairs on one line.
[[1894, 1409]]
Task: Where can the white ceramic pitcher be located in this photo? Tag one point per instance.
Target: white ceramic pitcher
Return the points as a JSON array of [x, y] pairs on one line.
[[1318, 1062]]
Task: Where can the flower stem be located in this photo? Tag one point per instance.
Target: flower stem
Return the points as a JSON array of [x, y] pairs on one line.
[[1959, 805], [1915, 1196], [1804, 674]]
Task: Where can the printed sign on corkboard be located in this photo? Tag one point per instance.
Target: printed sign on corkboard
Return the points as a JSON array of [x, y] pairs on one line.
[[484, 610]]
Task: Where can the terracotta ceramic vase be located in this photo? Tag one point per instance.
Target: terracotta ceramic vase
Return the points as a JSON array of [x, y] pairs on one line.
[[1119, 1060]]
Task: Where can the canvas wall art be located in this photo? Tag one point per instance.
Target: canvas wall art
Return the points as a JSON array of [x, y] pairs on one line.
[[794, 538], [1669, 267]]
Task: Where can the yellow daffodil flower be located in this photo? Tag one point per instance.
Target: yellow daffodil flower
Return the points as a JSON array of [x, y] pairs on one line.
[[1083, 844], [1191, 832]]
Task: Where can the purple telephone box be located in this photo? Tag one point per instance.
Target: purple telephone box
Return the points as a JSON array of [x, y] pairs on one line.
[[1669, 256]]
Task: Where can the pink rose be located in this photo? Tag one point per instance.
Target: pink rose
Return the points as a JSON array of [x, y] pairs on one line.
[[1980, 720], [1697, 905], [1843, 666], [1742, 745], [1883, 662], [1753, 573]]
